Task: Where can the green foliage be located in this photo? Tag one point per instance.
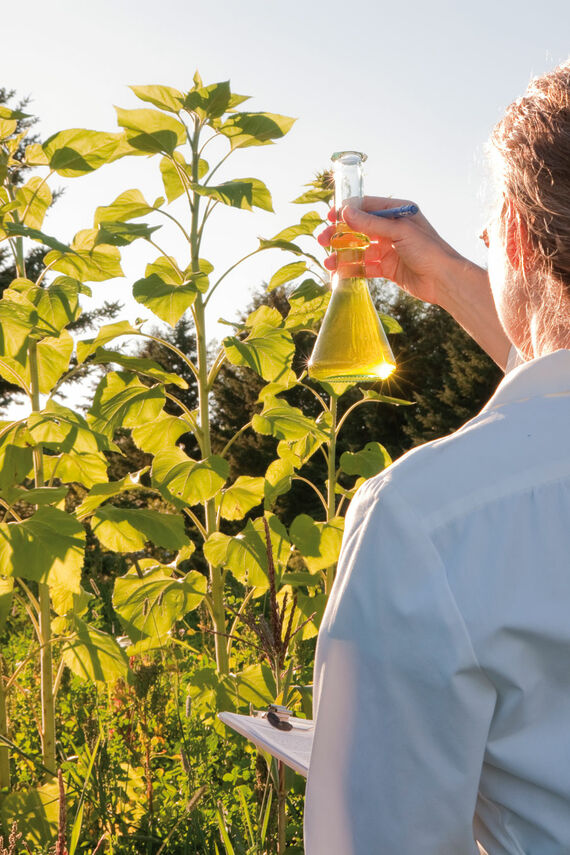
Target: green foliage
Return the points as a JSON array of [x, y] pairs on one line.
[[197, 551]]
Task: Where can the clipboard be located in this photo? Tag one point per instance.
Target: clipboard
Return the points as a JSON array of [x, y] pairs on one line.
[[293, 746]]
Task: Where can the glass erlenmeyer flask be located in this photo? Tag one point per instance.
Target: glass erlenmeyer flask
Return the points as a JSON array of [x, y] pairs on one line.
[[351, 345]]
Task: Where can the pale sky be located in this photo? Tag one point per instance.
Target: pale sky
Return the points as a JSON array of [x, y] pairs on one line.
[[417, 86]]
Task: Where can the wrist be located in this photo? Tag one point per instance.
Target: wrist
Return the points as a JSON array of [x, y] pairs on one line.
[[460, 282]]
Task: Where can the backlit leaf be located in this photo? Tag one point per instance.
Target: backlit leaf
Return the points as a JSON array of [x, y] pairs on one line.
[[247, 129], [148, 607], [106, 333], [286, 274], [183, 480], [129, 529], [121, 400], [168, 302], [269, 354], [318, 543], [309, 222], [34, 198], [122, 234], [243, 495], [246, 554], [94, 655], [209, 101], [46, 547], [241, 193], [101, 492], [281, 420], [151, 130], [164, 97], [159, 434], [140, 365], [370, 460], [308, 305], [129, 205], [77, 151]]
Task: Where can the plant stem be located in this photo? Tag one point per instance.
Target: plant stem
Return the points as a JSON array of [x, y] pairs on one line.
[[46, 659], [4, 750], [216, 578], [331, 482]]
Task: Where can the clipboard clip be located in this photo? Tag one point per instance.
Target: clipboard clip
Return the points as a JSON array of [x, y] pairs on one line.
[[276, 715]]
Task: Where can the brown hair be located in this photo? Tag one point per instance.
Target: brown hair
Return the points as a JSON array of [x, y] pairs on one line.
[[533, 141]]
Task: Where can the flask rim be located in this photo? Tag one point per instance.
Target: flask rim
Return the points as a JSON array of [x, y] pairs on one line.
[[339, 155]]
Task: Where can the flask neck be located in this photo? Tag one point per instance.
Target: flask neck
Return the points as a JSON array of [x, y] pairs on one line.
[[350, 265]]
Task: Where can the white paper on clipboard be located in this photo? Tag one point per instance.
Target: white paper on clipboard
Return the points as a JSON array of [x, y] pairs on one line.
[[293, 746]]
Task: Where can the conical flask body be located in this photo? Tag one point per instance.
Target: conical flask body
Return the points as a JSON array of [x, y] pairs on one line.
[[351, 345]]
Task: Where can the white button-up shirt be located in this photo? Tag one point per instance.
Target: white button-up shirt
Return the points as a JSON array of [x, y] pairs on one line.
[[442, 675]]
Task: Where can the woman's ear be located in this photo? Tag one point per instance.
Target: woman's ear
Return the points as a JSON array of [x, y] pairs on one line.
[[517, 245]]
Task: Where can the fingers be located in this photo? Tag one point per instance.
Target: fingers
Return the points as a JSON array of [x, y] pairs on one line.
[[379, 203], [374, 227], [373, 258]]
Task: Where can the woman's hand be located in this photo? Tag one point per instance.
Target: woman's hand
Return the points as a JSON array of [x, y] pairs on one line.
[[408, 251]]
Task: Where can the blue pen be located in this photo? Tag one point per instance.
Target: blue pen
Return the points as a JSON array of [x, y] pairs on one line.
[[396, 213]]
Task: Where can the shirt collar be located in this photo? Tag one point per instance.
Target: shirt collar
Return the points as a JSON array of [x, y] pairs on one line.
[[545, 375]]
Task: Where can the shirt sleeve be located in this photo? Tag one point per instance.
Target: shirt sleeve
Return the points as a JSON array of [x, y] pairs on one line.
[[402, 708]]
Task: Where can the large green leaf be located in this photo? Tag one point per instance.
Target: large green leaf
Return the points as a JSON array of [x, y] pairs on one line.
[[121, 400], [140, 365], [243, 495], [281, 420], [209, 101], [183, 480], [159, 434], [166, 300], [277, 480], [94, 655], [246, 554], [245, 193], [318, 543], [33, 198], [17, 321], [88, 261], [46, 547], [151, 130], [36, 495], [85, 467], [309, 222], [61, 429], [119, 233], [18, 229], [16, 456], [6, 589], [149, 606], [163, 97], [36, 811], [106, 333], [53, 360], [286, 274], [77, 151], [269, 353], [56, 306], [308, 305], [256, 685], [177, 174], [247, 129], [129, 205], [312, 609], [101, 492], [129, 529], [370, 460]]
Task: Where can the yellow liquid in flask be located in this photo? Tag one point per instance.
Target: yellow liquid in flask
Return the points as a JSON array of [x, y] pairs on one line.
[[351, 345]]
